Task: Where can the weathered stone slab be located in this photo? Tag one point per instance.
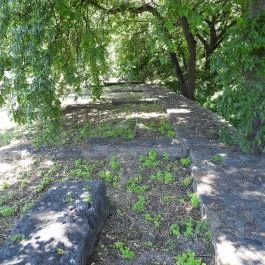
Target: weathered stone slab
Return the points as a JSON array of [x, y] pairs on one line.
[[232, 193], [134, 101], [62, 228], [100, 147]]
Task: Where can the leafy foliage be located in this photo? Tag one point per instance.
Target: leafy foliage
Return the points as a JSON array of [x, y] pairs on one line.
[[241, 67], [50, 48], [46, 49]]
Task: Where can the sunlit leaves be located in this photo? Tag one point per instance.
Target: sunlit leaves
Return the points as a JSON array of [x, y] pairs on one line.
[[46, 48]]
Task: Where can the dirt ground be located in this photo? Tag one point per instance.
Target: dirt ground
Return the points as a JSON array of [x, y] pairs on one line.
[[155, 214]]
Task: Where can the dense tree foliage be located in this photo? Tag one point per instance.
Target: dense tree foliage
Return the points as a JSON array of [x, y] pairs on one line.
[[208, 50]]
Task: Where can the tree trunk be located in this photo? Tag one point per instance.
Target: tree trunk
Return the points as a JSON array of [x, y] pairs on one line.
[[191, 75], [187, 88]]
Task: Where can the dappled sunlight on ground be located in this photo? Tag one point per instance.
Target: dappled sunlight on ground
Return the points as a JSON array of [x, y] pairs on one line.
[[5, 121], [176, 111], [230, 253]]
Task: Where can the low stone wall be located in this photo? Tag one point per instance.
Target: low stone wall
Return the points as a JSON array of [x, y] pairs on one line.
[[62, 228]]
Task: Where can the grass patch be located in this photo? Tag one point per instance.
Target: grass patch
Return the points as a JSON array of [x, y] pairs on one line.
[[113, 129], [164, 127], [6, 137]]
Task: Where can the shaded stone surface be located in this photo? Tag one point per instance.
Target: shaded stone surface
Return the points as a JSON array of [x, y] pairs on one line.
[[61, 228], [233, 193], [104, 147]]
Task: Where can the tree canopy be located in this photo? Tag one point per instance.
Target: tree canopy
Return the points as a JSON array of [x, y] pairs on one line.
[[210, 51]]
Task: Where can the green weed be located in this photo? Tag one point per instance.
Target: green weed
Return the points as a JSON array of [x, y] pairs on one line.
[[69, 198], [82, 169], [44, 184], [148, 244], [27, 206], [60, 251], [49, 135], [155, 219], [185, 161], [174, 230], [114, 163], [6, 137], [203, 228], [188, 223], [8, 211], [194, 200], [166, 129], [87, 197], [125, 251], [165, 156], [217, 159], [150, 160], [187, 181], [121, 212], [4, 186], [140, 204], [168, 198], [188, 258], [6, 198], [85, 169], [113, 129], [17, 237], [165, 177], [134, 185], [108, 176]]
